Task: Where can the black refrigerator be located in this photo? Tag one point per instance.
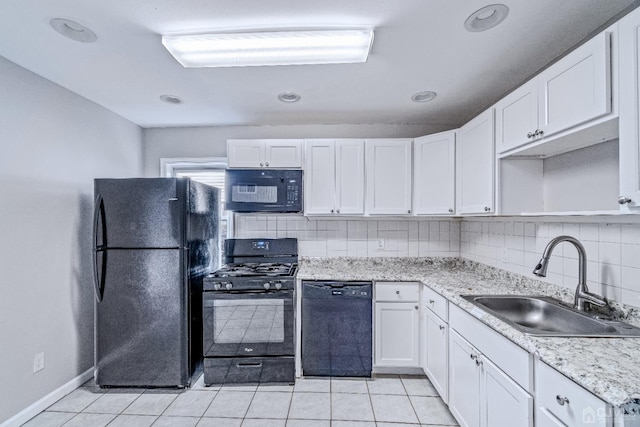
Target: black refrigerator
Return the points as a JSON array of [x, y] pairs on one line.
[[155, 240]]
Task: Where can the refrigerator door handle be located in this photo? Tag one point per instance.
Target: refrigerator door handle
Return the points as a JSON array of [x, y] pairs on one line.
[[98, 276]]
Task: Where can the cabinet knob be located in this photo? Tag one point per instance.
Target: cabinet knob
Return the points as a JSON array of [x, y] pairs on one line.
[[478, 362], [473, 356], [331, 210], [441, 327], [487, 208], [261, 164], [623, 200], [530, 135], [338, 211], [267, 164], [562, 400], [431, 301], [539, 132], [450, 210], [409, 211], [416, 307], [397, 292]]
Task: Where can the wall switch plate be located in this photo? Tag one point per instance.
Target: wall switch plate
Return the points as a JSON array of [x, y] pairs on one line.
[[38, 362], [505, 255], [380, 243]]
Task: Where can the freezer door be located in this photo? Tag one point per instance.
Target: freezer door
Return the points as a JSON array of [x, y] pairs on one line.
[[140, 212], [141, 323]]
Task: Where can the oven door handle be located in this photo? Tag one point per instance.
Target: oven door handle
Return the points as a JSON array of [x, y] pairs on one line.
[[249, 365]]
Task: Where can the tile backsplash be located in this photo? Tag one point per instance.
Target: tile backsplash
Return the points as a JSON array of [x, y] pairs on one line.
[[613, 252], [613, 249], [357, 237]]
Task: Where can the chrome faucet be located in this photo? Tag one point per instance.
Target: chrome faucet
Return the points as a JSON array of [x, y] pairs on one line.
[[582, 296]]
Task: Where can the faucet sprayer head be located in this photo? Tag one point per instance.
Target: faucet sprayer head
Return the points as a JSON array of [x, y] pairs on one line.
[[541, 269]]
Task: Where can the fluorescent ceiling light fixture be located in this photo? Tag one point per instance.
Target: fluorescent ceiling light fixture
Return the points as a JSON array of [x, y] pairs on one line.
[[270, 48]]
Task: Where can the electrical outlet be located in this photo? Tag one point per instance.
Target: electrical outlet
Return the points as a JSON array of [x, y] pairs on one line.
[[38, 362], [380, 243], [505, 255]]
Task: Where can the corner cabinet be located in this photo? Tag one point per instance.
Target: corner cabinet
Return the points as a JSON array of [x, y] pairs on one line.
[[434, 174], [334, 177], [265, 153], [475, 158], [630, 112], [388, 176], [397, 324]]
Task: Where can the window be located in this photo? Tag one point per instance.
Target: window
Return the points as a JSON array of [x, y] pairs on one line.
[[208, 171]]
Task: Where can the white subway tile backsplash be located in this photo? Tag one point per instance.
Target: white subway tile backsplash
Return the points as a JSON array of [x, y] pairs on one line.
[[610, 233], [588, 232]]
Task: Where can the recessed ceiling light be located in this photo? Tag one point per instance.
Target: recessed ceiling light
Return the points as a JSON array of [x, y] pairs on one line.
[[424, 96], [289, 97], [171, 99], [270, 48], [487, 17], [73, 30]]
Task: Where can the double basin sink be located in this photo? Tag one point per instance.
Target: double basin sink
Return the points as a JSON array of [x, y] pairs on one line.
[[548, 317]]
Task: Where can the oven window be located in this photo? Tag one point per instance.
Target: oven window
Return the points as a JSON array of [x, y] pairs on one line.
[[248, 321]]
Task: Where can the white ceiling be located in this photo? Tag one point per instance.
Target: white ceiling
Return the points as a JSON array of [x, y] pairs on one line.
[[419, 45]]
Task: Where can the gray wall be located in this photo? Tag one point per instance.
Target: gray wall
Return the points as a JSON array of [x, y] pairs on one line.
[[212, 141], [54, 143]]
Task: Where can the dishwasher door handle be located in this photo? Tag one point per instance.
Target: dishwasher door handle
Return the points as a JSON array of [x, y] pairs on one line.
[[335, 292]]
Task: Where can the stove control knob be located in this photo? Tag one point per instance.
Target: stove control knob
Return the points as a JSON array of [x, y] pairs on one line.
[[228, 286], [267, 286], [216, 286], [278, 285]]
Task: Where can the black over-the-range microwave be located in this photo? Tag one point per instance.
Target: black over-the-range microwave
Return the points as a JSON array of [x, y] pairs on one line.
[[263, 190]]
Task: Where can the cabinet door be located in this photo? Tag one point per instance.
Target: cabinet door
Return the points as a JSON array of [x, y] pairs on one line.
[[475, 157], [319, 177], [388, 163], [464, 381], [517, 117], [283, 153], [396, 334], [630, 110], [437, 353], [577, 88], [504, 403], [434, 174], [350, 177], [245, 153]]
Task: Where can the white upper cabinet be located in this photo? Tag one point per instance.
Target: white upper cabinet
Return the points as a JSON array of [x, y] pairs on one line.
[[566, 107], [388, 177], [517, 117], [577, 88], [265, 153], [630, 112], [475, 158], [334, 177], [434, 174]]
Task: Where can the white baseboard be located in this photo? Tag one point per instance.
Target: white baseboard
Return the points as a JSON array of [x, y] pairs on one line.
[[51, 398]]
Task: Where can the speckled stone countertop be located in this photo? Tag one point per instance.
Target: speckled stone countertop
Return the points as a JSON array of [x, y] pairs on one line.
[[608, 367]]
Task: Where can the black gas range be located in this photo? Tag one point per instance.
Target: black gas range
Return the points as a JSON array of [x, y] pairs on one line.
[[249, 315]]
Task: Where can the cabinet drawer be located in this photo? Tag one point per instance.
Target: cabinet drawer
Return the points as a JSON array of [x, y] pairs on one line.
[[512, 359], [398, 291], [566, 400], [436, 303]]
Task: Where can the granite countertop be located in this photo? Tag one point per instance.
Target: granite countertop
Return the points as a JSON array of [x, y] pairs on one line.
[[608, 367]]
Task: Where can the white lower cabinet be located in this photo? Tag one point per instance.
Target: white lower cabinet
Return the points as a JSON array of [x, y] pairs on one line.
[[397, 325], [560, 401], [480, 394], [435, 341]]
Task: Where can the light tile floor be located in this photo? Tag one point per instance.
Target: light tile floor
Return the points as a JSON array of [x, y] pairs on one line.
[[383, 401]]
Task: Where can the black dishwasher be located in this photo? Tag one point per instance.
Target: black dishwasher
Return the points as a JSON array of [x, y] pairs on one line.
[[336, 328]]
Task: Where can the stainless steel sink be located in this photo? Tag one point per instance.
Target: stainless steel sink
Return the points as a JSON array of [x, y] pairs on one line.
[[545, 316]]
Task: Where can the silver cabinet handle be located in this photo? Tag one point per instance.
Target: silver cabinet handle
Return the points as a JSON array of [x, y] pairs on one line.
[[562, 400], [487, 208], [623, 200]]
